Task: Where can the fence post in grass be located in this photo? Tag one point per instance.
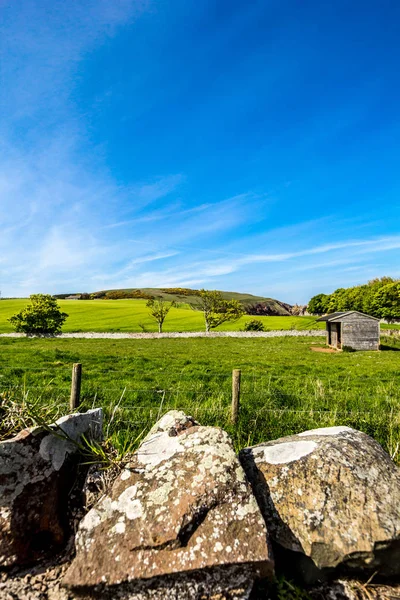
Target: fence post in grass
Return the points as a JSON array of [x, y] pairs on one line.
[[75, 398], [236, 376]]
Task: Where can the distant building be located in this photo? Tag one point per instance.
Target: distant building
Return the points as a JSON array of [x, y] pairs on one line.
[[352, 329], [73, 297]]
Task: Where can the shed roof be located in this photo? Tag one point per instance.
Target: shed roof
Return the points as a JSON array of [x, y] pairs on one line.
[[331, 316], [341, 316]]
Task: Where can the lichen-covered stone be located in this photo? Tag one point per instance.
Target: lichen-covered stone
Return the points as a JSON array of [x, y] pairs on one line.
[[180, 517], [37, 468], [331, 495]]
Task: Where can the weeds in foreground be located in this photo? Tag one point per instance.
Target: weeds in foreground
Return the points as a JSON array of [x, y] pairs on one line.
[[287, 590], [16, 416], [279, 589], [17, 413]]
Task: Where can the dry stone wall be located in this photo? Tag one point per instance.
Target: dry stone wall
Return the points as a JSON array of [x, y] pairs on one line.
[[185, 518]]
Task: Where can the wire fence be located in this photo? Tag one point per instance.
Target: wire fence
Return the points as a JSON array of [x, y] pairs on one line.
[[344, 394]]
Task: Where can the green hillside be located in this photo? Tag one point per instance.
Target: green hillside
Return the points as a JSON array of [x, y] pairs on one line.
[[186, 296]]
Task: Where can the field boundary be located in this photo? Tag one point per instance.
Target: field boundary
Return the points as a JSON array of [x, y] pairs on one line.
[[178, 334]]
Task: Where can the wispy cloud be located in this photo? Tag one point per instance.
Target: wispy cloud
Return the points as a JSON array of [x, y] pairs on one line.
[[42, 45], [207, 272], [118, 275], [79, 211]]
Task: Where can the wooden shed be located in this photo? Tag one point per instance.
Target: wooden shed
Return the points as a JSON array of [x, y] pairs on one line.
[[352, 329]]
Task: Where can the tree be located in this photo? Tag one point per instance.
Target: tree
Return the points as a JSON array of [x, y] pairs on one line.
[[42, 315], [318, 304], [385, 303], [337, 301], [216, 310], [158, 310], [370, 304], [368, 298]]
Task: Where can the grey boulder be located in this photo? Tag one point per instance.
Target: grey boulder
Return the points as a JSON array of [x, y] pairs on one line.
[[332, 497]]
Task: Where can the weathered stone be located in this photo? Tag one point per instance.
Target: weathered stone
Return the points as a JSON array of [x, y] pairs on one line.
[[179, 522], [37, 468], [355, 590], [332, 496]]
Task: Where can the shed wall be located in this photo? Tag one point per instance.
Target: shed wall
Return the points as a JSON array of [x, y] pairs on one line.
[[360, 333]]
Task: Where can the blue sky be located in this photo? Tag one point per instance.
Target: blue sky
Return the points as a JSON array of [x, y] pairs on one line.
[[245, 146]]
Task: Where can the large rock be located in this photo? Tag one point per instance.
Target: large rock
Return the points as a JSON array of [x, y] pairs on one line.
[[179, 522], [332, 497], [37, 468]]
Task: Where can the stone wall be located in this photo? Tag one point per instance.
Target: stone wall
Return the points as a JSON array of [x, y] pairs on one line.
[[184, 517]]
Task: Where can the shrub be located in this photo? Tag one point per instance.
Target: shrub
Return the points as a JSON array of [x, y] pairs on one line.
[[42, 315], [180, 291], [123, 294], [254, 325]]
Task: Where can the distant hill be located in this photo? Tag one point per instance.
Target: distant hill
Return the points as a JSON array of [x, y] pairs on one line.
[[253, 304]]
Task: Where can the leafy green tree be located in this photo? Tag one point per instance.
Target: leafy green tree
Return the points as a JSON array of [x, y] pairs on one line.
[[344, 299], [379, 282], [158, 311], [385, 302], [216, 310], [42, 315], [318, 304], [370, 306], [337, 301], [364, 298], [355, 298]]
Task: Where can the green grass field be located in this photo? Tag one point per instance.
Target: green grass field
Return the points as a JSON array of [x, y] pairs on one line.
[[127, 315], [286, 388]]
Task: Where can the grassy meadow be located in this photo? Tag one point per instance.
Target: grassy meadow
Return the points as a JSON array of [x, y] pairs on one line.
[[286, 387], [128, 315]]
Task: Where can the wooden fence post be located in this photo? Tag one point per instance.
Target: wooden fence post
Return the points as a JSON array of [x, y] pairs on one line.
[[75, 398], [236, 376]]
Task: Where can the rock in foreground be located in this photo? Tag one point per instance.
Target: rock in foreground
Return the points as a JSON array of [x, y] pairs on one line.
[[37, 469], [179, 522], [331, 495]]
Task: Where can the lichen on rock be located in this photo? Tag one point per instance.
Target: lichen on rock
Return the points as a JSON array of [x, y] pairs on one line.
[[185, 508], [37, 469], [331, 496]]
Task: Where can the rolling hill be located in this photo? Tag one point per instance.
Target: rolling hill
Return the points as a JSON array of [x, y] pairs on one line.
[[189, 296]]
